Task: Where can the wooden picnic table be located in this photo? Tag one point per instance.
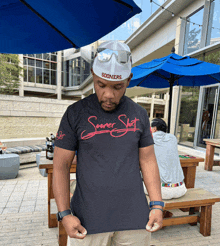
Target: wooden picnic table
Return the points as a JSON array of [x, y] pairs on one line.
[[210, 149], [188, 164], [189, 169]]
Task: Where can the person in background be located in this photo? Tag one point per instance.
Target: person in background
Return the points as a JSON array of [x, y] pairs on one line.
[[166, 151]]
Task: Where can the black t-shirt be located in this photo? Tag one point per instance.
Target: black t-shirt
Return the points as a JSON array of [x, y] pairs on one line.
[[109, 194]]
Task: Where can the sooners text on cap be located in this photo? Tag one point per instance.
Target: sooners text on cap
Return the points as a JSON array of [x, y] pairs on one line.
[[109, 76]]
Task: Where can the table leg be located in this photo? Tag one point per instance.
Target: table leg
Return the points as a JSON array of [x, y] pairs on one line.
[[52, 220], [209, 157], [205, 220], [190, 175], [193, 211], [62, 235]]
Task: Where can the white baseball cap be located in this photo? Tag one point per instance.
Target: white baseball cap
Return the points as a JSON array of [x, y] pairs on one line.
[[113, 61]]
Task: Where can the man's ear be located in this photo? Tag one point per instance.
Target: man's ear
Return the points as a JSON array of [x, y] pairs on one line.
[[129, 79], [92, 71]]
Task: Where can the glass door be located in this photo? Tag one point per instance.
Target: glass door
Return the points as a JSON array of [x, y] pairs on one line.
[[216, 133], [207, 122]]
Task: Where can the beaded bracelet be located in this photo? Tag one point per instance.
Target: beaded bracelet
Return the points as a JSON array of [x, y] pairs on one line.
[[156, 208]]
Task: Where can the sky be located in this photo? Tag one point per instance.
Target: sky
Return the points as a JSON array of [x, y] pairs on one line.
[[127, 28]]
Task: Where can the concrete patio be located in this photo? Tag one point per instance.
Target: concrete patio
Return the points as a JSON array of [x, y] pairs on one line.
[[23, 211]]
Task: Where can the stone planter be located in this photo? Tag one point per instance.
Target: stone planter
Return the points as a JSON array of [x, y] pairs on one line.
[[9, 166]]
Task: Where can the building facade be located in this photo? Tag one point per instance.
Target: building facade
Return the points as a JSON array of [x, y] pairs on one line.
[[59, 78], [192, 27]]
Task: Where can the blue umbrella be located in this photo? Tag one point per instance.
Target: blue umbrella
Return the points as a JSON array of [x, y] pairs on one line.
[[174, 70], [40, 26]]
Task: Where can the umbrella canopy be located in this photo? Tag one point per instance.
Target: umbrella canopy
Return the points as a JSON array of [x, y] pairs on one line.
[[40, 26], [174, 70]]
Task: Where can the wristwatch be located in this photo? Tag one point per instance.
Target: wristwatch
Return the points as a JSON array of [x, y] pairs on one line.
[[60, 215], [159, 203]]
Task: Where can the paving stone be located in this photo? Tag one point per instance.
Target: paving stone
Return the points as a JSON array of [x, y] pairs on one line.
[[28, 203], [26, 209], [13, 205], [10, 210], [41, 202], [6, 242], [40, 208]]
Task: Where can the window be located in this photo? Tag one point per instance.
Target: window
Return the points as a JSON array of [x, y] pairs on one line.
[[39, 56], [39, 77], [54, 66], [46, 76], [25, 73], [38, 63], [38, 71], [24, 61], [46, 65], [31, 62], [213, 56], [53, 58], [53, 78], [214, 23], [187, 117], [31, 74], [193, 31], [46, 56]]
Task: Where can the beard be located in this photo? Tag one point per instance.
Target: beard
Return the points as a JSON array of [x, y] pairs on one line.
[[114, 105]]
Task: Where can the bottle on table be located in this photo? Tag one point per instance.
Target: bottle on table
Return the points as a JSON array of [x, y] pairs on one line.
[[4, 148], [47, 145], [49, 151], [52, 138]]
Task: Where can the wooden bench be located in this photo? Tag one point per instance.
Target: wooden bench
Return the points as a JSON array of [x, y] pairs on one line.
[[195, 197]]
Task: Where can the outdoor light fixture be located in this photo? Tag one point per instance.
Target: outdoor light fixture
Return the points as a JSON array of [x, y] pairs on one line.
[[173, 15]]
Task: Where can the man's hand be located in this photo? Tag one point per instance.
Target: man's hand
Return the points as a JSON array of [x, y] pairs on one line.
[[73, 227], [155, 220]]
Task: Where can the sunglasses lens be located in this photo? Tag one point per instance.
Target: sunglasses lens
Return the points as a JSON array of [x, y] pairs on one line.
[[105, 55]]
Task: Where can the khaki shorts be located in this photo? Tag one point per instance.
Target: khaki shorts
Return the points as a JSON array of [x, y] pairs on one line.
[[118, 238]]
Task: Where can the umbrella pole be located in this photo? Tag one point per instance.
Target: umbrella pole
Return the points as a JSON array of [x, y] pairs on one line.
[[171, 82]]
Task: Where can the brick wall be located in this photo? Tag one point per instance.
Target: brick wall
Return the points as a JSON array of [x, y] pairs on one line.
[[29, 117]]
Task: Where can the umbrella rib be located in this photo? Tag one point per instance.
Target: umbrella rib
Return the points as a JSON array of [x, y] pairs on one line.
[[214, 78], [143, 80], [39, 15], [179, 77], [125, 4], [161, 76]]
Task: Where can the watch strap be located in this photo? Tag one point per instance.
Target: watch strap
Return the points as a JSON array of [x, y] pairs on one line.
[[63, 213], [159, 203]]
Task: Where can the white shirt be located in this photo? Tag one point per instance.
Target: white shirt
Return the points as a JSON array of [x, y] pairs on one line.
[[167, 156]]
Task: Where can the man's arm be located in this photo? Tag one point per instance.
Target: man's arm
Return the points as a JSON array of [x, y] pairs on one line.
[[61, 188], [151, 176]]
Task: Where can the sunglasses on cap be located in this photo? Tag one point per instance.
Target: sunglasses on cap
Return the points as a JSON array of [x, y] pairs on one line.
[[105, 55]]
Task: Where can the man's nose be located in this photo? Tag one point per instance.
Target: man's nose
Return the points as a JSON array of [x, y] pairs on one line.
[[108, 93]]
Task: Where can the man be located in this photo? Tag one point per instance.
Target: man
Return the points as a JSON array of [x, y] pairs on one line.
[[166, 151], [112, 135]]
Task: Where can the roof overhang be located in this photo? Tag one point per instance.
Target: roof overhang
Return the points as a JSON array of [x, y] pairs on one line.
[[156, 21], [139, 91]]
